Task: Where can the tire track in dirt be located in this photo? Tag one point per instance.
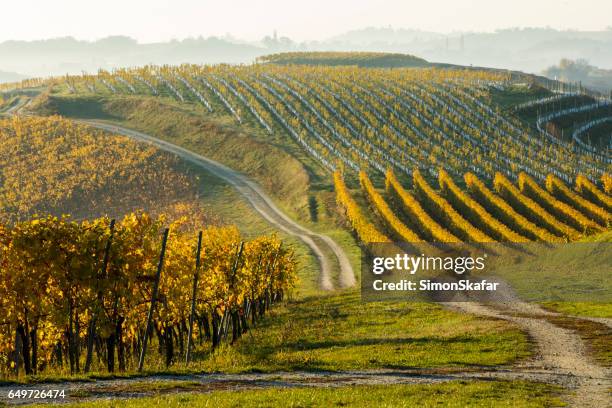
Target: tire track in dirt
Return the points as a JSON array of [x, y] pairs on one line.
[[133, 387], [559, 352]]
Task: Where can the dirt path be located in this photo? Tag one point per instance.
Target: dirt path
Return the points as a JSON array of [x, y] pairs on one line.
[[260, 201], [13, 110], [559, 352], [139, 387]]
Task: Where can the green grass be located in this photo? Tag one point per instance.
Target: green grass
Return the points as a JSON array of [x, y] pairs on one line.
[[603, 237], [588, 309], [90, 107], [340, 332], [574, 272], [517, 94], [7, 103], [600, 133], [569, 278], [452, 394]]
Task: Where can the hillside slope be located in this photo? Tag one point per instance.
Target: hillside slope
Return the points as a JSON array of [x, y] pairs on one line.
[[66, 168]]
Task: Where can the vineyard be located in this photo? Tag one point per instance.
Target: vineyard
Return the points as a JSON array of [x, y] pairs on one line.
[[55, 166], [513, 213], [584, 120], [499, 178], [361, 59], [365, 118], [69, 290], [78, 291]]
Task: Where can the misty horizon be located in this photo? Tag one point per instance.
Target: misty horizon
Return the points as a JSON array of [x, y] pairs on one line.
[[227, 36]]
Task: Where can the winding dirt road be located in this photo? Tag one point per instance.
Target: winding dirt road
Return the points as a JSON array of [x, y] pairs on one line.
[[260, 201]]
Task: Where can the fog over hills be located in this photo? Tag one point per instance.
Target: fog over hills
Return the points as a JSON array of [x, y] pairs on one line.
[[529, 49], [10, 76]]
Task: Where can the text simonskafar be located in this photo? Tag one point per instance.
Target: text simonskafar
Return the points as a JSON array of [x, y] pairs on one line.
[[431, 286]]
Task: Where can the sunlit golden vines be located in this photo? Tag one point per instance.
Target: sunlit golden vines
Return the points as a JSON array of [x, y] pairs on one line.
[[54, 165], [446, 212], [591, 192], [363, 116], [479, 215], [416, 212], [560, 191], [570, 215], [531, 209], [506, 212], [606, 180], [365, 230], [55, 293], [394, 223]]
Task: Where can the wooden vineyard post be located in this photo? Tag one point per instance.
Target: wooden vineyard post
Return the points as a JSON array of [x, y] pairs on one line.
[[193, 298], [160, 265], [92, 326], [232, 315]]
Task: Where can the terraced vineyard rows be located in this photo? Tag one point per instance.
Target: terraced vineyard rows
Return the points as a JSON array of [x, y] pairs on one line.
[[531, 209], [571, 109]]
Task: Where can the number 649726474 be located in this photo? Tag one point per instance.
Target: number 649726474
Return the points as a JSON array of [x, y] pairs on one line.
[[36, 394]]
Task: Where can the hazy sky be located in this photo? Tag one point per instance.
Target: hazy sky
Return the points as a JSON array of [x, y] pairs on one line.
[[158, 20]]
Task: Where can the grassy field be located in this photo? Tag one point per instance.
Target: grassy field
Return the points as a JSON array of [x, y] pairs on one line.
[[589, 309], [452, 394], [340, 332], [568, 273], [517, 94]]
